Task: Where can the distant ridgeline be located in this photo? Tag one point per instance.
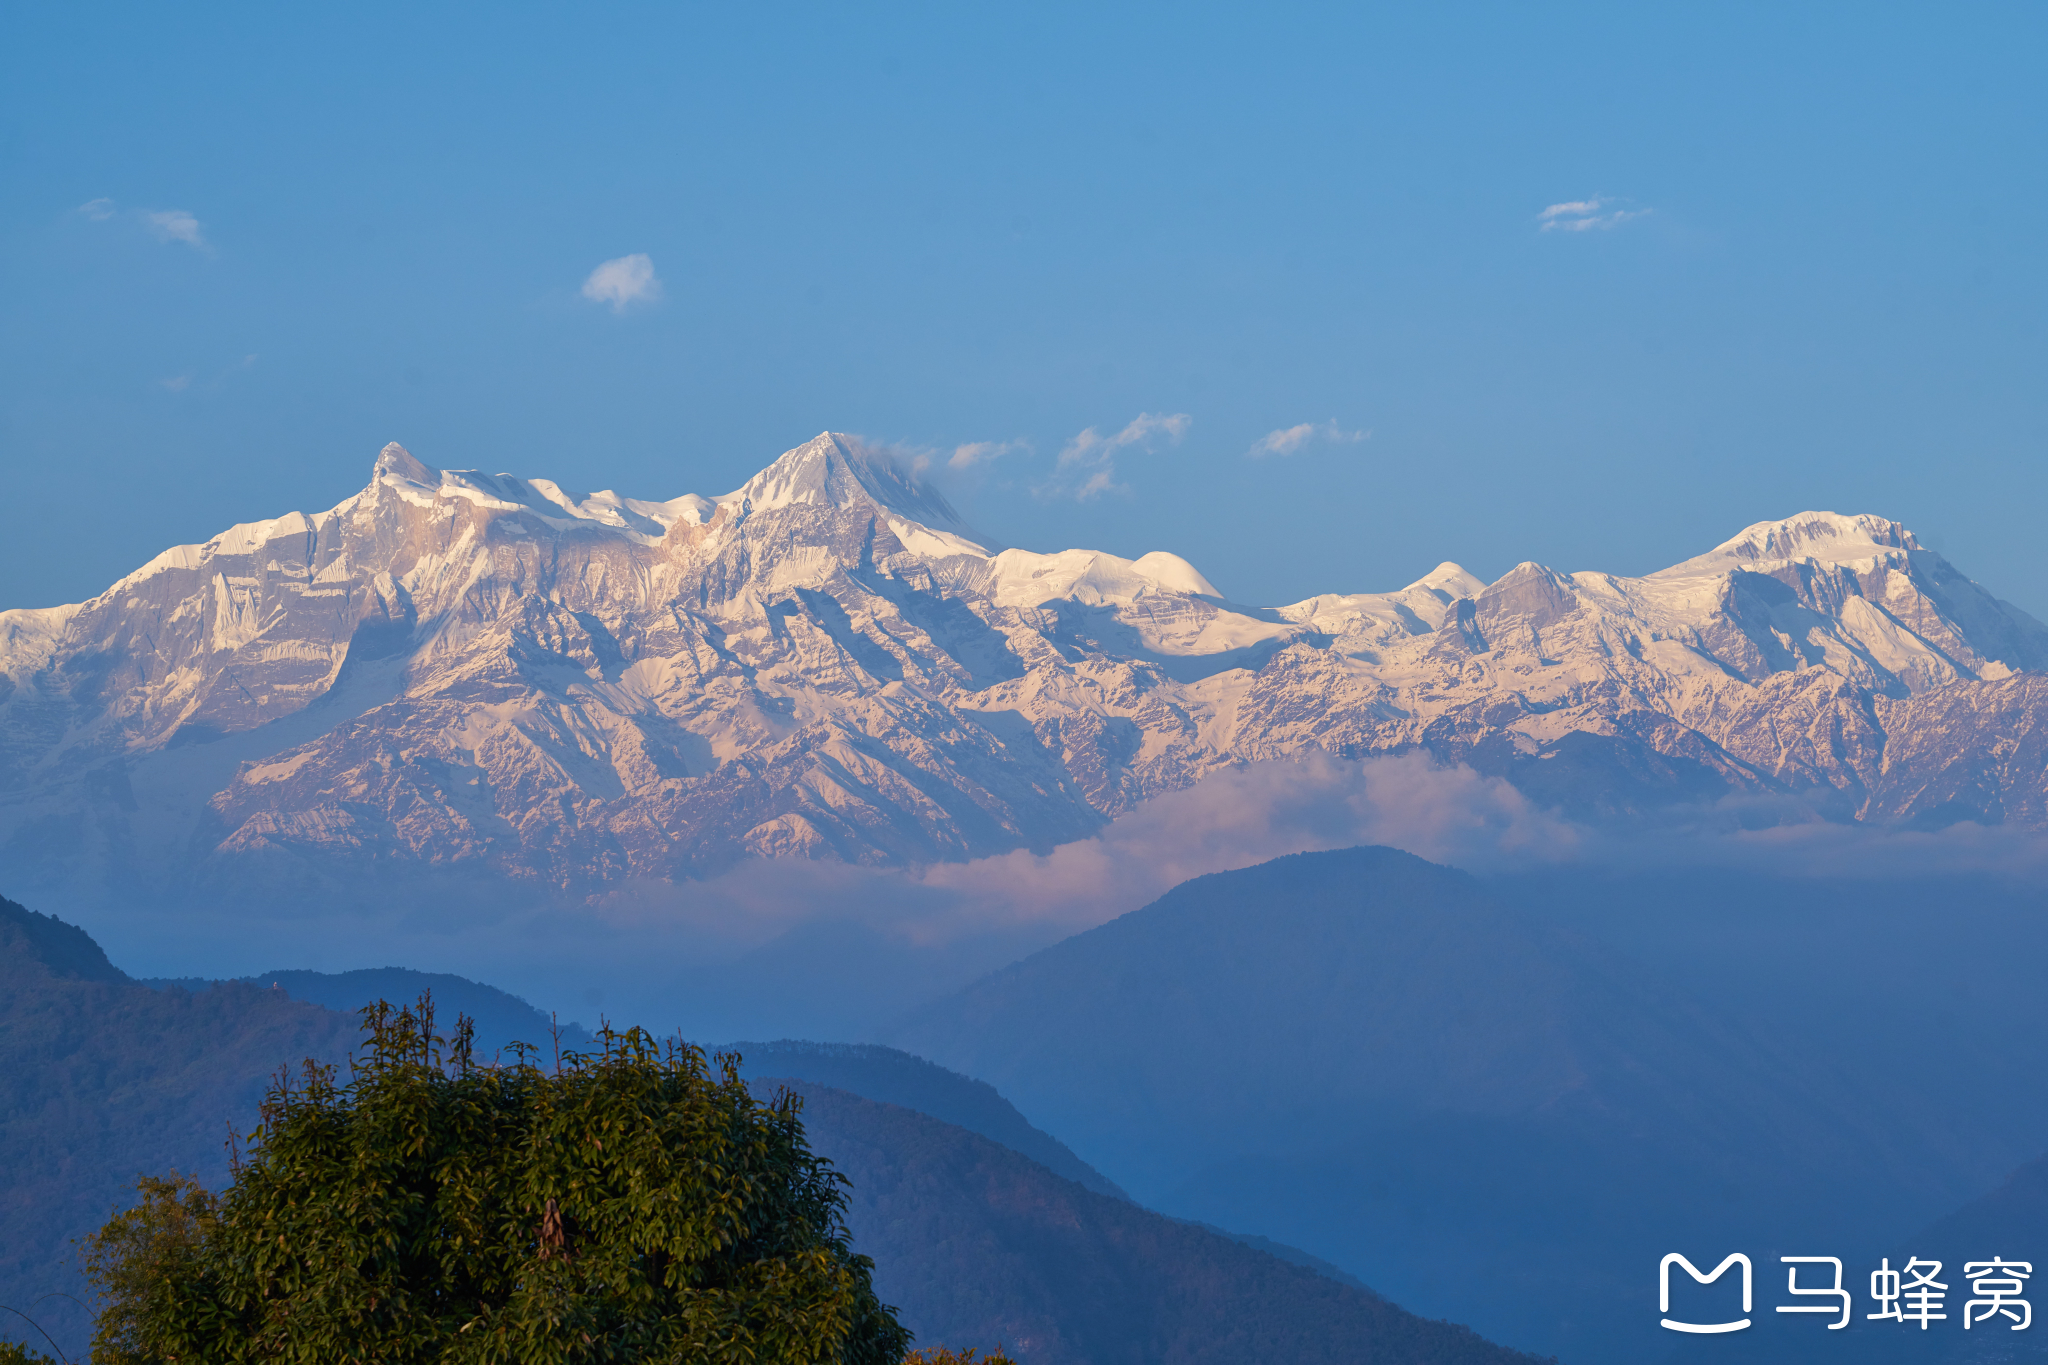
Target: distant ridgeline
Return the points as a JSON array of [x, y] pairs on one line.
[[524, 687], [893, 1077], [103, 1077], [501, 1017]]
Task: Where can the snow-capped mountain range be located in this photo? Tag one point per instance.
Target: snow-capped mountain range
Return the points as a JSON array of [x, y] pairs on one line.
[[459, 671]]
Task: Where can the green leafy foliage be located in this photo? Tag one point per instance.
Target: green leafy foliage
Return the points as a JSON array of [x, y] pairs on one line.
[[137, 1259], [628, 1204]]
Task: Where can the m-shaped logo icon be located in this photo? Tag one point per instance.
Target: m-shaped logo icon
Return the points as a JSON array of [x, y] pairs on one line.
[[1664, 1292]]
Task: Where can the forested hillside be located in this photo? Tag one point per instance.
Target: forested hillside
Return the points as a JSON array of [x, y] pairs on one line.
[[102, 1078]]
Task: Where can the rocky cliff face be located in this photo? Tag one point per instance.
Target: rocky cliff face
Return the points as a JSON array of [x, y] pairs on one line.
[[459, 671]]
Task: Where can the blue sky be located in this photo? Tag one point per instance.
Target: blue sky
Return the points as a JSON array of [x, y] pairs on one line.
[[241, 248]]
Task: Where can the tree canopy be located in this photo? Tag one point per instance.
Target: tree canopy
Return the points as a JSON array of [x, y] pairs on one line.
[[632, 1203]]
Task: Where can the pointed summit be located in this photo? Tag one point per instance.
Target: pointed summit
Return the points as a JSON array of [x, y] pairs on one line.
[[837, 470], [398, 462], [1448, 582]]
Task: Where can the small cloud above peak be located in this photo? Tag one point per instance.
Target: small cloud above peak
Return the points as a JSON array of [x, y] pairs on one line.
[[98, 210], [1086, 468], [1585, 215], [622, 281], [982, 452], [174, 225], [1288, 440]]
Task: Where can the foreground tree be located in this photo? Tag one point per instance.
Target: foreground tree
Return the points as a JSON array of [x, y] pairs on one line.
[[626, 1205], [140, 1258]]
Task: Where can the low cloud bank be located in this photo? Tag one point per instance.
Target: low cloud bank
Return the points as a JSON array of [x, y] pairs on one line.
[[792, 946], [824, 949], [1232, 819], [816, 949]]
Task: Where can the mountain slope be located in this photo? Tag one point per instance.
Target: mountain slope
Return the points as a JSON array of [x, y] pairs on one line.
[[1373, 1058], [888, 1076], [103, 1079], [453, 672], [977, 1245]]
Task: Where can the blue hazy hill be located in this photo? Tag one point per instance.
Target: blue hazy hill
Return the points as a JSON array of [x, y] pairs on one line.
[[1481, 1114], [978, 1245], [895, 1077]]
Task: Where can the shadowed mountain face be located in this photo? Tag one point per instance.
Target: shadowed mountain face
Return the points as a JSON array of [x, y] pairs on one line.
[[977, 1246], [1375, 1059], [496, 679]]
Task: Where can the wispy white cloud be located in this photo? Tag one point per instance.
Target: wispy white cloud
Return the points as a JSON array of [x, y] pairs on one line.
[[1087, 466], [166, 225], [982, 452], [1584, 215], [915, 459], [622, 281], [174, 225], [213, 382], [1287, 440]]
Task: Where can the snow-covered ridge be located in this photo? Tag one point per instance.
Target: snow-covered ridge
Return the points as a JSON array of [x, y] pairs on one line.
[[829, 662], [832, 470], [637, 519], [1024, 579], [835, 470], [1819, 537], [1414, 610]]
